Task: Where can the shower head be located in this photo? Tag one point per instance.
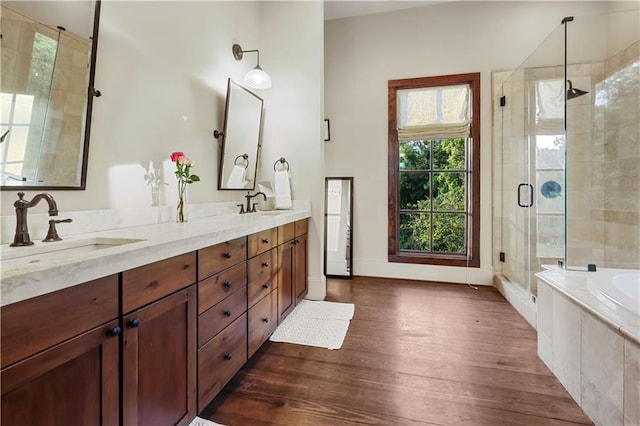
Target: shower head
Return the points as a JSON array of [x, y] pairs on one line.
[[574, 93]]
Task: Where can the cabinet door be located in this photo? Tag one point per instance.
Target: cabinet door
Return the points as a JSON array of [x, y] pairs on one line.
[[72, 383], [286, 296], [300, 267], [261, 322], [159, 360]]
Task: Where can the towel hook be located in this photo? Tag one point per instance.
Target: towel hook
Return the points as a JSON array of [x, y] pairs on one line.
[[245, 160], [283, 162]]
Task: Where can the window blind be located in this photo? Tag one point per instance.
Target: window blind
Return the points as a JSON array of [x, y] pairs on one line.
[[433, 113]]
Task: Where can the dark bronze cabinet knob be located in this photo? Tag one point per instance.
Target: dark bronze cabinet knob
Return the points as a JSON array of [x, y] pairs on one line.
[[265, 286], [227, 255], [265, 240], [115, 331], [134, 323], [265, 264], [265, 320], [227, 284], [227, 313], [228, 356]]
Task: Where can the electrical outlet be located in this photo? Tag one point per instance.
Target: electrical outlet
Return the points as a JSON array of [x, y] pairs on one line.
[[502, 256]]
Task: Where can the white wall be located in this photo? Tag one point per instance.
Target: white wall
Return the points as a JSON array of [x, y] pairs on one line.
[[363, 53], [292, 37], [162, 68]]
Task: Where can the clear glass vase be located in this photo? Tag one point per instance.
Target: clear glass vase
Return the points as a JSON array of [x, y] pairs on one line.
[[181, 208]]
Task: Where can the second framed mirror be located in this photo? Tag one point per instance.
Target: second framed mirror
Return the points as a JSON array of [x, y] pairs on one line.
[[338, 227]]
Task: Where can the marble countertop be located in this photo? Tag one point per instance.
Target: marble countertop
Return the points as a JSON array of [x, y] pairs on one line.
[[21, 279]]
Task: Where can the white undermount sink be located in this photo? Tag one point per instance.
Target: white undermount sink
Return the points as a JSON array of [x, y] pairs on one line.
[[59, 249]]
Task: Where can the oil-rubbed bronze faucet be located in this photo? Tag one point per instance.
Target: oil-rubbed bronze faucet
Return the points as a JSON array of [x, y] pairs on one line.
[[22, 232], [250, 208]]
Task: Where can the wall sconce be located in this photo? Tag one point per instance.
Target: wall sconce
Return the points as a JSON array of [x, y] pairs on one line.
[[256, 78]]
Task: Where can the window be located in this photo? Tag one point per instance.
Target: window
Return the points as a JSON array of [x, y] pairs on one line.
[[434, 170]]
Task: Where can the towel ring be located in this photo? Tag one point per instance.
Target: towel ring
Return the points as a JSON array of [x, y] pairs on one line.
[[283, 162], [245, 160]]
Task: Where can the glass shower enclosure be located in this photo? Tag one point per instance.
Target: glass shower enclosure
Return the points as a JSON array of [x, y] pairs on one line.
[[567, 151]]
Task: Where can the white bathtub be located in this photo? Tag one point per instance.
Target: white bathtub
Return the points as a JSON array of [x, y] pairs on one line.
[[613, 295], [588, 330], [616, 287]]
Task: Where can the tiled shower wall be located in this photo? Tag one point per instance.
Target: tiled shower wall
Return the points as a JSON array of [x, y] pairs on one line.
[[618, 135]]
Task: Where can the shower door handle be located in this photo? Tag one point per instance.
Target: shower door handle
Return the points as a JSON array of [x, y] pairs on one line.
[[530, 195]]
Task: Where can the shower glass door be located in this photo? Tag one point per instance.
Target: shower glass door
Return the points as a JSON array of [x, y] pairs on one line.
[[532, 164]]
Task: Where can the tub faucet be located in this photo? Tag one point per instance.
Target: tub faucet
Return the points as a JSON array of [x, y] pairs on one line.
[[22, 231], [252, 209]]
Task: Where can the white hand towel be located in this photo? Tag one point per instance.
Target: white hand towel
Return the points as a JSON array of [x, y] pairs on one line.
[[282, 189], [236, 179]]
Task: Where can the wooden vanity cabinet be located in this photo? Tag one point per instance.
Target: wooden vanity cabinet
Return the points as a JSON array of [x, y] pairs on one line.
[[262, 299], [60, 357], [159, 342], [222, 316], [292, 266]]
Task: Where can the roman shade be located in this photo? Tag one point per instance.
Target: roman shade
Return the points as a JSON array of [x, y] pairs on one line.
[[433, 113], [549, 106]]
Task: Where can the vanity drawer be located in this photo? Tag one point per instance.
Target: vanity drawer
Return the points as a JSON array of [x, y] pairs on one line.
[[261, 275], [151, 282], [215, 288], [262, 321], [220, 359], [301, 227], [262, 241], [35, 324], [286, 232], [212, 321], [214, 259]]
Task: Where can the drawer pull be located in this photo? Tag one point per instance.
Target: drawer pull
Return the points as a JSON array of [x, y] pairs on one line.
[[265, 240], [227, 313], [227, 255], [297, 241], [115, 331], [228, 356], [265, 320], [265, 286], [185, 267], [265, 264], [227, 284], [134, 323]]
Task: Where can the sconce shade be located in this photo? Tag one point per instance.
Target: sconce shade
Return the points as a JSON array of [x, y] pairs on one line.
[[256, 78]]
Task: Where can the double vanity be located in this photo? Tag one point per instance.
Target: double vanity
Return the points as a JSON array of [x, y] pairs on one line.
[[144, 325]]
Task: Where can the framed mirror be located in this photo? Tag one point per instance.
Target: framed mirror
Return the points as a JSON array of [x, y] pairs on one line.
[[338, 227], [240, 138], [49, 59]]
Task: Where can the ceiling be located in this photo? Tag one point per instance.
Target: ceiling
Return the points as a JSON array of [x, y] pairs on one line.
[[335, 9]]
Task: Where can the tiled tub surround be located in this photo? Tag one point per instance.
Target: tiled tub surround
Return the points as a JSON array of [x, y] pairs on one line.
[[160, 239], [591, 343]]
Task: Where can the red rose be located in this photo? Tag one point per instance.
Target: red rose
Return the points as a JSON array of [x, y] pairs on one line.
[[176, 155]]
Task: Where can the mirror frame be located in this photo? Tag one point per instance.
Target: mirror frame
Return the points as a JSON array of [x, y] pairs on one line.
[[350, 238], [223, 144], [91, 93]]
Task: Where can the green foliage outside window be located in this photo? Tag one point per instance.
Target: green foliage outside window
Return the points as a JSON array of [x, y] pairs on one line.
[[433, 195]]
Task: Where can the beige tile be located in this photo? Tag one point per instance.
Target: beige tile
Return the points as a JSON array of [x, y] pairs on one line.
[[631, 383], [602, 374], [566, 345]]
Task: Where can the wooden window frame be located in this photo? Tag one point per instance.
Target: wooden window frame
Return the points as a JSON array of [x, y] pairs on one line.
[[472, 257]]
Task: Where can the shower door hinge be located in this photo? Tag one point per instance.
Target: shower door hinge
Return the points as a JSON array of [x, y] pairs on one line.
[[503, 101], [502, 256]]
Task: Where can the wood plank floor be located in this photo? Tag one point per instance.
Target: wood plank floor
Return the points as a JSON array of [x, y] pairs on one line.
[[415, 353]]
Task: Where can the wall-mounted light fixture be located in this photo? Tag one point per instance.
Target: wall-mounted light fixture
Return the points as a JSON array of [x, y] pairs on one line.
[[256, 78]]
